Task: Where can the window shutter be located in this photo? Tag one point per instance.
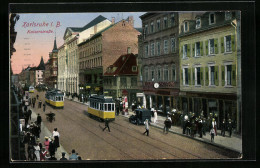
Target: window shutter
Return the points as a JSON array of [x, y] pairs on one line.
[[193, 50], [216, 75], [222, 45], [189, 76], [223, 75], [207, 76], [234, 75], [193, 76], [201, 76], [188, 50], [201, 48], [207, 49], [181, 78], [216, 45], [233, 43]]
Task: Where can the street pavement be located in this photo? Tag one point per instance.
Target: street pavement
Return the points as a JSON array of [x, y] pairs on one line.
[[125, 141], [231, 143]]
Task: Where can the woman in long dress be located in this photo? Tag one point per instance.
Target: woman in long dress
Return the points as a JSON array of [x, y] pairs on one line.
[[56, 136]]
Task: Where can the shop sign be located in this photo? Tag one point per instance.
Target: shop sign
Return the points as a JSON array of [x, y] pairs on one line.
[[88, 87], [139, 94]]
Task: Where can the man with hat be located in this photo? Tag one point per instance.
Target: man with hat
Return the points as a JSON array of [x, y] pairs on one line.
[[63, 156], [229, 124], [52, 147]]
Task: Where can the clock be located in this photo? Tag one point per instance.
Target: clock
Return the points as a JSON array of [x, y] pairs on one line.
[[156, 85]]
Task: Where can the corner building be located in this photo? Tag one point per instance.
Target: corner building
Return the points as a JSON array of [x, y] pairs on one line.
[[159, 60], [208, 67]]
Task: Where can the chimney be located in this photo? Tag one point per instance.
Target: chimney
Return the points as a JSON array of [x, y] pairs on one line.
[[113, 20], [131, 20]]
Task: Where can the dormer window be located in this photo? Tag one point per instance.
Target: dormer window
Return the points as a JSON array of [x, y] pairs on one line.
[[227, 15], [151, 30], [198, 23], [134, 68], [185, 26], [211, 18]]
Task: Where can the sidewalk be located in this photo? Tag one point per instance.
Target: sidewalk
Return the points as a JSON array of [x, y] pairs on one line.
[[234, 143], [46, 132]]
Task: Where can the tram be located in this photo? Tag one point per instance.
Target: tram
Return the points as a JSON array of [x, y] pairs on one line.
[[31, 89], [102, 107], [55, 98]]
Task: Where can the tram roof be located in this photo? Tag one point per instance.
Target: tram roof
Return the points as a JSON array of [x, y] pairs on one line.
[[102, 98]]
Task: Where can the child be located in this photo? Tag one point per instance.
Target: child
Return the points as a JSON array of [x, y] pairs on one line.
[[212, 133]]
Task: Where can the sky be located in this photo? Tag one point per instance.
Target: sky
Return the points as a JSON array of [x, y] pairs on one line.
[[30, 47]]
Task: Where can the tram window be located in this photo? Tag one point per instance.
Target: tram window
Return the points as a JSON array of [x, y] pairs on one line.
[[102, 106], [105, 107], [113, 107], [109, 107]]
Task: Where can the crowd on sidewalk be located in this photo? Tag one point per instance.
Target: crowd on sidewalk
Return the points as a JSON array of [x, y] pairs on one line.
[[34, 149]]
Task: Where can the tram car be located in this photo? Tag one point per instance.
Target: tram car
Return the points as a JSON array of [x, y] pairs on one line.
[[102, 107], [31, 89], [55, 98]]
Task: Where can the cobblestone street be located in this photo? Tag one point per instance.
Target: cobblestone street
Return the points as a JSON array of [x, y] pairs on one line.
[[125, 141]]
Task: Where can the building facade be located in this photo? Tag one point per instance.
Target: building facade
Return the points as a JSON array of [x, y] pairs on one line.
[[39, 73], [120, 79], [208, 66], [102, 49], [68, 69], [159, 60]]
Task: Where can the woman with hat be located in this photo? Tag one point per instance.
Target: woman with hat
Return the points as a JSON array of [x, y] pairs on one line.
[[214, 125], [37, 151], [46, 143]]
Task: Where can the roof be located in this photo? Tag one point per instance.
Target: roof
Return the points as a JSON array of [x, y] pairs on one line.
[[41, 66], [123, 66]]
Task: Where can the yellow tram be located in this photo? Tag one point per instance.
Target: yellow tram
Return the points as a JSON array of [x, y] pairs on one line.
[[31, 89], [55, 98], [102, 107]]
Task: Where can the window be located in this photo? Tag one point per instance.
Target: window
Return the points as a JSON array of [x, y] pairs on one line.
[[172, 20], [166, 73], [133, 81], [165, 22], [185, 26], [198, 23], [228, 74], [185, 76], [109, 107], [211, 46], [211, 18], [173, 72], [146, 50], [227, 15], [151, 28], [165, 46], [197, 76], [134, 68], [158, 48], [128, 50], [228, 43], [197, 49], [212, 75], [185, 48], [158, 24], [173, 45], [123, 81], [159, 73], [146, 73], [145, 30], [105, 107], [152, 49]]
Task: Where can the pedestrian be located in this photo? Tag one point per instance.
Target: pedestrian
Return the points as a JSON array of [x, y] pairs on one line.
[[37, 152], [37, 130], [56, 136], [46, 143], [30, 114], [44, 106], [43, 154], [40, 104], [167, 125], [186, 118], [63, 156], [223, 128], [25, 108], [26, 118], [106, 125], [200, 128], [155, 116], [230, 127], [146, 123], [33, 103], [37, 96], [39, 119], [26, 142], [212, 133], [73, 155], [214, 125], [52, 147]]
